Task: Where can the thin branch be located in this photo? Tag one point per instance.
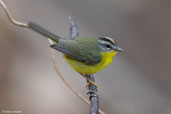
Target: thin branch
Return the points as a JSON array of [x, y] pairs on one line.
[[20, 24], [13, 21], [94, 96], [17, 23], [62, 78]]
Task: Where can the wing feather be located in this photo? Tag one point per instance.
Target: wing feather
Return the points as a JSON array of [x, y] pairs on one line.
[[80, 51]]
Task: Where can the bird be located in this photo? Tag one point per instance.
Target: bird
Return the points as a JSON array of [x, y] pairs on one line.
[[86, 55]]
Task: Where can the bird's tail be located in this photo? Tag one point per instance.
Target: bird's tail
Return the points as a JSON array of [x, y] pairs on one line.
[[37, 28]]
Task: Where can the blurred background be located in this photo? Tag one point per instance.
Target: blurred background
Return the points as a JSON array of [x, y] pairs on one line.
[[138, 81]]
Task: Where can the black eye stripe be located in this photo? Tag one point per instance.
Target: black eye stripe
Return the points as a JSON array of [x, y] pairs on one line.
[[108, 46]]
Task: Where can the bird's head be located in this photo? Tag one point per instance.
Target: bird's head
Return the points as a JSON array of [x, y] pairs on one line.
[[107, 44]]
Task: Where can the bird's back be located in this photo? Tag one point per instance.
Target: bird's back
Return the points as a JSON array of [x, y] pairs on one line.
[[81, 49]]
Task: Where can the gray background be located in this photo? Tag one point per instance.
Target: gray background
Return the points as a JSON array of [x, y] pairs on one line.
[[138, 81]]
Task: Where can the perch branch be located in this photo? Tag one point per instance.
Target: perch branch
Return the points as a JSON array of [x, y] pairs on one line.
[[94, 96], [91, 88]]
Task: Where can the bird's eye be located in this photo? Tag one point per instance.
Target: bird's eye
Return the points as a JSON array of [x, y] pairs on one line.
[[108, 46]]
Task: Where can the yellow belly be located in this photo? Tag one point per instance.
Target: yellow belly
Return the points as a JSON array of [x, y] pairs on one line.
[[91, 69]]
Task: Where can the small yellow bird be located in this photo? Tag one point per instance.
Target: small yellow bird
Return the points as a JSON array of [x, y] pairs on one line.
[[86, 55]]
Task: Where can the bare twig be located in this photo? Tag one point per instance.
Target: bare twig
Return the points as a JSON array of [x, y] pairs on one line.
[[62, 78], [20, 24], [94, 96], [13, 21]]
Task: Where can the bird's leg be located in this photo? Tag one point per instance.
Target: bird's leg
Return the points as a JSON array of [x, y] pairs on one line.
[[89, 81]]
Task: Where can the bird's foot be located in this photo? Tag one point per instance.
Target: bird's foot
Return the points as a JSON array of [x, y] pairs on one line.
[[89, 81]]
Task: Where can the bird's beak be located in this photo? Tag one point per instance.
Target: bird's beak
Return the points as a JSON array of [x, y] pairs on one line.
[[118, 49]]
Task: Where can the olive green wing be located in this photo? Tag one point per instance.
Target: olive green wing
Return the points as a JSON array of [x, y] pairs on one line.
[[79, 51], [69, 48]]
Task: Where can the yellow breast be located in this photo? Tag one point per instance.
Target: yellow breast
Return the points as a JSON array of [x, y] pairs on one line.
[[91, 69]]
